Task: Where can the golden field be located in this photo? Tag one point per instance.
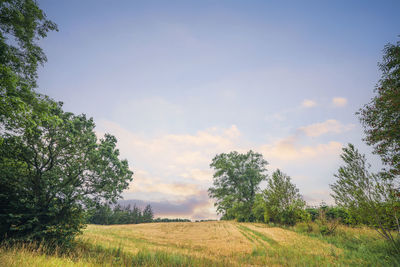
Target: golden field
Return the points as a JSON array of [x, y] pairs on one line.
[[217, 243]]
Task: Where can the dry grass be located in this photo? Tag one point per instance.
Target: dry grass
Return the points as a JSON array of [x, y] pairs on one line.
[[225, 242], [219, 243]]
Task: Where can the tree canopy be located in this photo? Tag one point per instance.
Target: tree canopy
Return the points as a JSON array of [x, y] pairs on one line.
[[51, 172], [284, 203], [381, 117], [22, 24], [236, 182]]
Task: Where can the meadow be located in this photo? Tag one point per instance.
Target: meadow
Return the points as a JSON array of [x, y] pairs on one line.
[[217, 243]]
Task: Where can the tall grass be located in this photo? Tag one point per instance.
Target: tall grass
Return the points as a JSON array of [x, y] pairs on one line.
[[87, 254], [358, 243]]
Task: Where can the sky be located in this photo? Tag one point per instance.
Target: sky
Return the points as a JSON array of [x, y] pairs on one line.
[[178, 82]]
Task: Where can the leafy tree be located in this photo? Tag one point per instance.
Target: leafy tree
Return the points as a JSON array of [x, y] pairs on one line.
[[52, 166], [284, 203], [236, 180], [381, 117], [51, 171], [148, 214], [369, 196], [22, 24]]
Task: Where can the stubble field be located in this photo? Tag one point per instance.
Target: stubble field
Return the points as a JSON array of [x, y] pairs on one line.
[[219, 243]]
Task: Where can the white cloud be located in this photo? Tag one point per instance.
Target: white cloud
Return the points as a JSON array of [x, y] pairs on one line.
[[328, 126], [289, 149], [307, 103], [198, 174], [339, 101]]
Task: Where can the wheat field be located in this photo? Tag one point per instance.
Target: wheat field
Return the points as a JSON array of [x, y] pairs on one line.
[[217, 243]]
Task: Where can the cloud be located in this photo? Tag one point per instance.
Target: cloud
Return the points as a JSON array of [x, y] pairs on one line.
[[289, 149], [316, 197], [144, 183], [328, 126], [197, 174], [167, 151], [339, 101], [307, 103]]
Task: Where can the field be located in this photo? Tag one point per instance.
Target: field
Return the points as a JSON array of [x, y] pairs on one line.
[[210, 244]]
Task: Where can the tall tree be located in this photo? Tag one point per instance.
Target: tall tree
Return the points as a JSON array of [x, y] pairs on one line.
[[369, 196], [148, 214], [381, 117], [22, 24], [284, 204], [236, 182], [51, 172], [52, 166]]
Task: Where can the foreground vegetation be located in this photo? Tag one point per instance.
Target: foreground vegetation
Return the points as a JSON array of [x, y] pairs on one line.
[[222, 243]]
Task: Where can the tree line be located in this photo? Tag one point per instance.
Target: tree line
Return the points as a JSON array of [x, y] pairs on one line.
[[361, 196], [107, 215]]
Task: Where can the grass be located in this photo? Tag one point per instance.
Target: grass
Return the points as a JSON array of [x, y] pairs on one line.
[[210, 244], [360, 243]]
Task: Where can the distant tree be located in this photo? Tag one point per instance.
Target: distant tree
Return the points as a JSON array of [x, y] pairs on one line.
[[369, 196], [171, 220], [148, 214], [103, 214], [381, 117], [236, 182], [284, 204]]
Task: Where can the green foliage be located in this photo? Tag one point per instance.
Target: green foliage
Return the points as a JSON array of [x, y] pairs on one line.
[[327, 224], [51, 171], [334, 212], [236, 180], [22, 24], [148, 214], [368, 196], [381, 117], [106, 215], [284, 204], [259, 209]]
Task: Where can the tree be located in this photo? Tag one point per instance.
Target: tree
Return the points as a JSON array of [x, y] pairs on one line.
[[51, 171], [368, 196], [381, 117], [22, 23], [148, 214], [284, 204], [236, 180], [52, 166]]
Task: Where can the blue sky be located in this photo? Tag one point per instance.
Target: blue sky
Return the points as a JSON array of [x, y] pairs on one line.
[[180, 81]]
